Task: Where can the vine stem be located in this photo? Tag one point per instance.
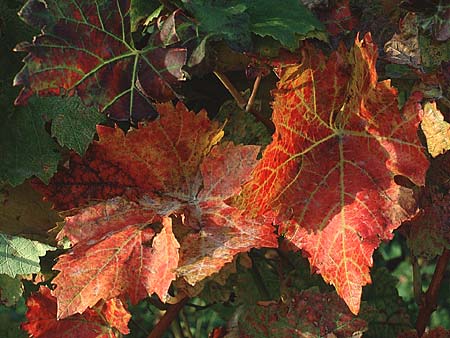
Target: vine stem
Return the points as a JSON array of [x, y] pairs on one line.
[[242, 103], [429, 299], [165, 321]]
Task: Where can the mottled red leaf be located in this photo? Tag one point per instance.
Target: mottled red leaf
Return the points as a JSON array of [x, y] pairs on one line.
[[132, 261], [306, 314], [224, 230], [164, 154], [168, 167], [329, 171], [93, 323], [87, 46]]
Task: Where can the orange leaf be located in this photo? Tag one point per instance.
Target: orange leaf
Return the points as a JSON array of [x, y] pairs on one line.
[[329, 171]]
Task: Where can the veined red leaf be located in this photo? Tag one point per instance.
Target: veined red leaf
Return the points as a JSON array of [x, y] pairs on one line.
[[164, 155], [93, 323], [224, 230], [139, 181], [133, 261], [329, 171], [87, 46]]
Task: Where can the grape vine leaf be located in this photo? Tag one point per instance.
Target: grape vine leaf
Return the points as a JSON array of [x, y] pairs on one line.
[[329, 171], [383, 306], [167, 153], [436, 129], [138, 180], [234, 21], [87, 46], [115, 258], [428, 232], [93, 323], [309, 313], [26, 148], [20, 256], [288, 23], [73, 124]]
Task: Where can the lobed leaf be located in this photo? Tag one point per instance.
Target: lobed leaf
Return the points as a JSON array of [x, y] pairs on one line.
[[87, 46], [20, 256], [98, 322], [127, 258], [165, 153], [139, 180], [329, 171]]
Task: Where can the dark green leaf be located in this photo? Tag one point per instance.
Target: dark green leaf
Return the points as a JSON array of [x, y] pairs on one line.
[[10, 290], [26, 148], [73, 123], [288, 22]]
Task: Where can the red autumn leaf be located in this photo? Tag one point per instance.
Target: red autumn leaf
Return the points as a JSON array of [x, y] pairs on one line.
[[93, 323], [166, 154], [88, 47], [116, 315], [132, 261], [329, 171], [116, 250], [306, 314]]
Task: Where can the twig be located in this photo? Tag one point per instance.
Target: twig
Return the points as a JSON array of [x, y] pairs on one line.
[[242, 103], [429, 300], [165, 321], [417, 280], [251, 100]]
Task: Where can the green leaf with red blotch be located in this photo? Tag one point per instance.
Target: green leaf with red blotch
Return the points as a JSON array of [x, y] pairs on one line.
[[139, 180], [87, 46], [308, 314], [329, 171], [102, 321]]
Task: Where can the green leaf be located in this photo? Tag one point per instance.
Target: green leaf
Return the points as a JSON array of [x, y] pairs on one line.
[[73, 123], [223, 19], [19, 256], [26, 148], [433, 52], [384, 307], [10, 290], [233, 21], [288, 22], [141, 9]]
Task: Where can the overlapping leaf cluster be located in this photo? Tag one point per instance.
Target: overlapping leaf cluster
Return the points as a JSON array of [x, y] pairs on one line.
[[161, 199]]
